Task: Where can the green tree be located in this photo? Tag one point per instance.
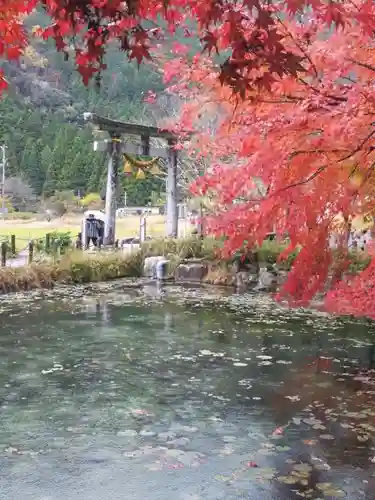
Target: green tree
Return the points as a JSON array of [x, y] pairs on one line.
[[140, 192], [42, 119], [51, 181], [32, 166]]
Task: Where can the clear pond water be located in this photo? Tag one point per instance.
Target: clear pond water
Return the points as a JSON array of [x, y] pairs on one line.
[[114, 392]]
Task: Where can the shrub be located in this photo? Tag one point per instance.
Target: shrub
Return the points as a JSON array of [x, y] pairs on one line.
[[60, 241], [92, 200], [20, 215], [85, 268], [186, 248], [8, 204]]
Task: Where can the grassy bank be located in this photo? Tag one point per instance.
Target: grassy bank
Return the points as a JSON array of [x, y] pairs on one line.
[[208, 249], [74, 268]]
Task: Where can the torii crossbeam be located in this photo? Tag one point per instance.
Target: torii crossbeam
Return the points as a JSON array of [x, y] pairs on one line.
[[115, 130]]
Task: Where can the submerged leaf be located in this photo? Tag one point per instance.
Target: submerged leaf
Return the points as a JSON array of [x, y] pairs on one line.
[[287, 479], [302, 467], [327, 437]]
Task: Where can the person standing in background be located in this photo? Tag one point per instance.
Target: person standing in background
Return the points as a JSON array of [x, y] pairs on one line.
[[92, 231]]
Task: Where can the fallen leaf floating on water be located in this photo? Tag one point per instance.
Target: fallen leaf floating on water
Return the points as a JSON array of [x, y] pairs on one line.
[[282, 448], [330, 490], [293, 398], [363, 438], [288, 479], [309, 442], [303, 468], [56, 368], [327, 437], [278, 431]]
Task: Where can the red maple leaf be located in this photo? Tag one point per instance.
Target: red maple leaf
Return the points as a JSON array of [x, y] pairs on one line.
[[139, 52]]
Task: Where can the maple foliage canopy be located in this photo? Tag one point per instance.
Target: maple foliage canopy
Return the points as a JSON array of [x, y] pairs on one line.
[[247, 29], [304, 125], [296, 153]]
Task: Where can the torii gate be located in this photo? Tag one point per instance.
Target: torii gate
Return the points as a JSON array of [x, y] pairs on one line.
[[116, 148]]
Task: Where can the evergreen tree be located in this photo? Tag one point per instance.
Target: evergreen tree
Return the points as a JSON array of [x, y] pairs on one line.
[[42, 120], [31, 165], [51, 182]]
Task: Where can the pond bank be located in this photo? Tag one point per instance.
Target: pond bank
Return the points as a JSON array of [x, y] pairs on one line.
[[74, 268], [189, 260], [198, 260]]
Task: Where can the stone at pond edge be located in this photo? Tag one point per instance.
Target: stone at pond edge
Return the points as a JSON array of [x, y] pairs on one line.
[[191, 272], [149, 266], [245, 279], [267, 279]]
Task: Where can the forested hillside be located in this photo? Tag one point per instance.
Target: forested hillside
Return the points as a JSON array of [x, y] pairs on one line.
[[41, 119]]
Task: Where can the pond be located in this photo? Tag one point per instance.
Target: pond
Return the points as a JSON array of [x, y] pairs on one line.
[[118, 392]]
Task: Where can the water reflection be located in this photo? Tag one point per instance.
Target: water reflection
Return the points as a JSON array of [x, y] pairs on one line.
[[167, 392]]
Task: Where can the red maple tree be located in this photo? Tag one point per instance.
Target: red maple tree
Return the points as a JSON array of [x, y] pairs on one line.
[[248, 30], [297, 157]]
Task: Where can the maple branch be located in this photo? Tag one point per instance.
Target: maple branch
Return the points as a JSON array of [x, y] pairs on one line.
[[317, 91], [318, 151], [362, 64], [304, 181], [288, 100], [359, 147], [323, 167], [299, 47]]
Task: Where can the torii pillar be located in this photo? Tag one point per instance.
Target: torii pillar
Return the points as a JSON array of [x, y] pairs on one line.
[[114, 151], [172, 198]]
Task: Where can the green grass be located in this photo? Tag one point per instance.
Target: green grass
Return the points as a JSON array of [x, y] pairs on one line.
[[74, 268], [24, 235], [33, 230]]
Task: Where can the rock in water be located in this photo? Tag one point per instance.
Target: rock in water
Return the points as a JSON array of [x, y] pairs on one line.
[[267, 279], [149, 266], [191, 272]]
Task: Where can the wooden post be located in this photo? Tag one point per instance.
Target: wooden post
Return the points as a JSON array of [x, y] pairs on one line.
[[31, 251], [55, 249], [172, 197], [13, 244], [48, 242], [4, 247], [142, 229], [111, 192]]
